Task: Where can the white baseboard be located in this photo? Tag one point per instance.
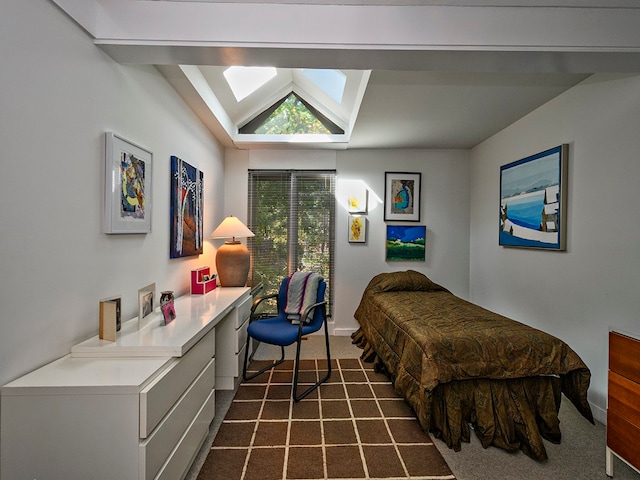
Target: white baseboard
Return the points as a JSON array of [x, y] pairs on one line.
[[599, 414], [343, 332]]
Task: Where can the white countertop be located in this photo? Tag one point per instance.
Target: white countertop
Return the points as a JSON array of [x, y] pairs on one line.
[[87, 376], [196, 315]]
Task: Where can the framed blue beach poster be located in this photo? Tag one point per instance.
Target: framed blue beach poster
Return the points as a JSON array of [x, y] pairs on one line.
[[533, 201]]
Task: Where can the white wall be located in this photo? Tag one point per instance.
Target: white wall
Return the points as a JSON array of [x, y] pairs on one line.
[[445, 212], [575, 295], [58, 95]]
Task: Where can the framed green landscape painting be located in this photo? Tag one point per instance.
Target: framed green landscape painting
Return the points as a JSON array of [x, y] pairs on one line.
[[406, 243]]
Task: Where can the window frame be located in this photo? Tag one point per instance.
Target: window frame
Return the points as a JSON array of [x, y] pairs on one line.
[[293, 251]]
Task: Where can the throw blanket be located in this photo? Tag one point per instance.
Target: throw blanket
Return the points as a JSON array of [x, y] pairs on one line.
[[302, 292]]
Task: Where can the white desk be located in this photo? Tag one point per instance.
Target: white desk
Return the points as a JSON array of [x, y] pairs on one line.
[[137, 408]]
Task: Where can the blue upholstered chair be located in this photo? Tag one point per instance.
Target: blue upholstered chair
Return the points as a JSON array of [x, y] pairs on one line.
[[278, 330]]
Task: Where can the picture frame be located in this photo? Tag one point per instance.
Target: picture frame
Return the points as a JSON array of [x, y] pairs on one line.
[[402, 196], [168, 312], [127, 192], [357, 229], [107, 321], [533, 201], [117, 299], [406, 243], [357, 200], [187, 209], [146, 305]]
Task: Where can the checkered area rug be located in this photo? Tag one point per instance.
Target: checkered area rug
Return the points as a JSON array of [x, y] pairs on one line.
[[353, 427]]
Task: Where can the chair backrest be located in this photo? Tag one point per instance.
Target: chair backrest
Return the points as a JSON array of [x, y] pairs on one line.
[[318, 314]]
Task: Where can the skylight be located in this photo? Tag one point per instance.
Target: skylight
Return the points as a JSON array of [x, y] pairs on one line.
[[332, 82], [246, 80], [291, 116]]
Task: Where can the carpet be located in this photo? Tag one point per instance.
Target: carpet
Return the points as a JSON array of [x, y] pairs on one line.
[[353, 427]]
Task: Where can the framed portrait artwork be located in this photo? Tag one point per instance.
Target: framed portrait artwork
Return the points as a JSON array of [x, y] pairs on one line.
[[127, 193], [146, 299], [402, 196], [533, 201]]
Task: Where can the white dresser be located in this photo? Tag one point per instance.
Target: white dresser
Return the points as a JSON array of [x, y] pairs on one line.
[[137, 408]]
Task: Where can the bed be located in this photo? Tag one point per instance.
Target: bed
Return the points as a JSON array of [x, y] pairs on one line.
[[463, 368]]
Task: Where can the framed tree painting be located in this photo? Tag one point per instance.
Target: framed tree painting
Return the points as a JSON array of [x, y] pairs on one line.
[[533, 201], [402, 196], [127, 192], [187, 209]]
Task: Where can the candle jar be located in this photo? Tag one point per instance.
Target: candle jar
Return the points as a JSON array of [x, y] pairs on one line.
[[166, 297]]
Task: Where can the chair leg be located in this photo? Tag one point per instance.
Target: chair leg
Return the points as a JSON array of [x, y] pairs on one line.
[[297, 397], [260, 372]]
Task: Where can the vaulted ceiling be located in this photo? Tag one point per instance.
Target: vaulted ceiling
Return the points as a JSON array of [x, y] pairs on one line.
[[425, 73]]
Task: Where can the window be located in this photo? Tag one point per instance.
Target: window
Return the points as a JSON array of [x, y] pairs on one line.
[[291, 115], [243, 81], [292, 214]]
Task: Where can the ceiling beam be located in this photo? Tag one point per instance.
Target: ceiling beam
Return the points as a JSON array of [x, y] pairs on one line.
[[452, 38]]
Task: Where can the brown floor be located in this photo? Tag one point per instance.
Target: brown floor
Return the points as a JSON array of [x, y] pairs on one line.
[[355, 426]]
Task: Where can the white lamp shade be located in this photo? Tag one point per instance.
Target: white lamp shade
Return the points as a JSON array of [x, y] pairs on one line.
[[232, 227]]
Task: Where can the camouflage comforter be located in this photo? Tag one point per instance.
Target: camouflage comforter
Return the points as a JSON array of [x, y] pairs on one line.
[[459, 364]]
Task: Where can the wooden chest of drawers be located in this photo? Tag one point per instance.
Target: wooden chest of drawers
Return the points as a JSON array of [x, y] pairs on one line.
[[623, 406]]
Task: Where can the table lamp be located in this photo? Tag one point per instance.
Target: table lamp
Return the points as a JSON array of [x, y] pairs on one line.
[[232, 258]]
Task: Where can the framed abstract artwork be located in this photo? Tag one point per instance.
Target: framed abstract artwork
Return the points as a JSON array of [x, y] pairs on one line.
[[533, 201], [187, 209], [127, 193], [406, 243], [402, 196], [357, 199], [357, 229]]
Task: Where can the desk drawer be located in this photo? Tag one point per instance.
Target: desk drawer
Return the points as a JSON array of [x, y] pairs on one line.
[[240, 360], [159, 396], [155, 450], [241, 336], [244, 311], [624, 356]]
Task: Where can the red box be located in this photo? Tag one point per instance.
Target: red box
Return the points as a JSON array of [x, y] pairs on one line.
[[199, 285]]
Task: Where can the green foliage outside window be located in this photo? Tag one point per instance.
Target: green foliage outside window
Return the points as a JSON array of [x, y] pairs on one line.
[[292, 117], [292, 217]]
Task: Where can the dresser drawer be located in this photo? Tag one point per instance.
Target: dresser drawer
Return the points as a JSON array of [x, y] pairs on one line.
[[155, 450], [182, 457], [623, 398], [624, 356], [244, 311], [623, 438], [159, 396]]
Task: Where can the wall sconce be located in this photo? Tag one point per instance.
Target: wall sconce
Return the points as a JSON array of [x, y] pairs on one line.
[[232, 258]]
